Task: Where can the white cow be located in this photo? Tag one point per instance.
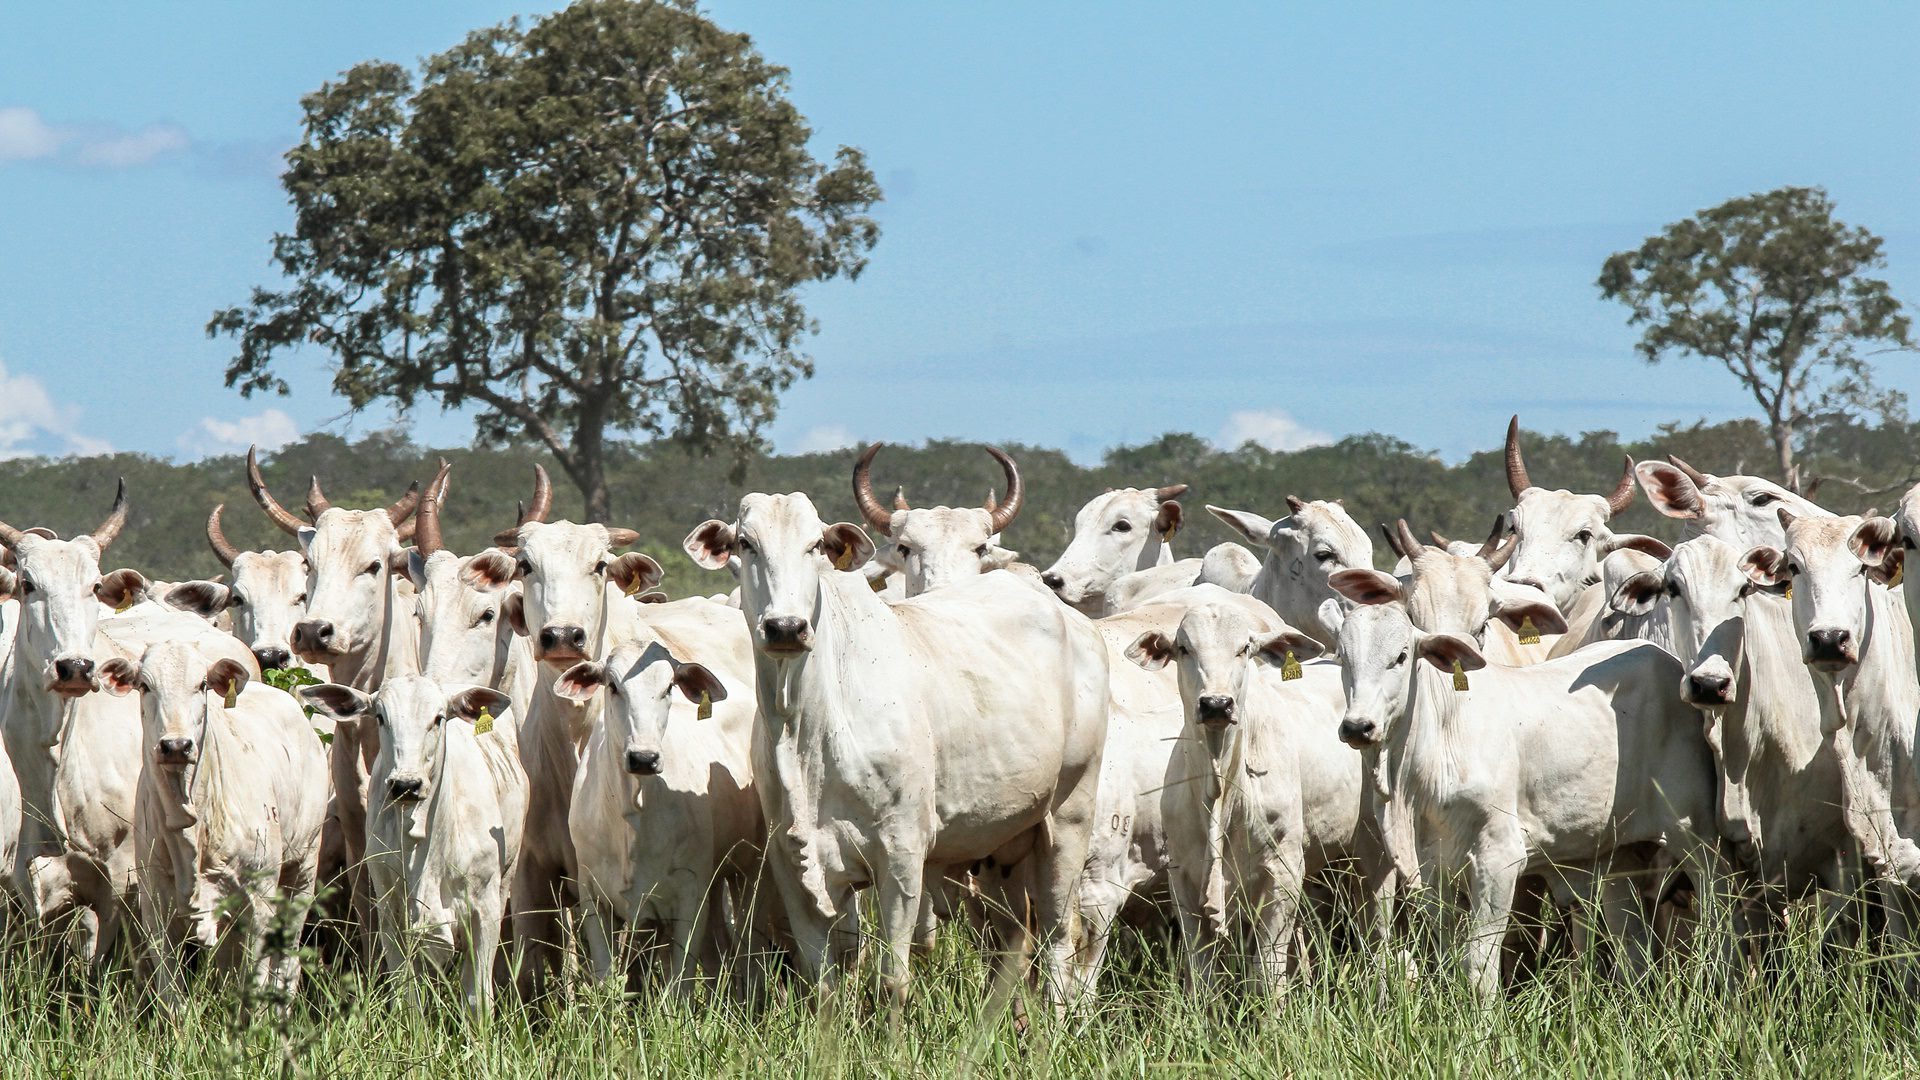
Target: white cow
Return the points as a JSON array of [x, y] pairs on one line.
[[267, 598], [934, 546], [1315, 539], [900, 741], [1741, 510], [232, 798], [1115, 534], [1529, 769], [466, 638], [444, 822]]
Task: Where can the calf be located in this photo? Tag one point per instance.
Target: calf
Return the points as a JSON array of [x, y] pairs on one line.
[[1314, 541]]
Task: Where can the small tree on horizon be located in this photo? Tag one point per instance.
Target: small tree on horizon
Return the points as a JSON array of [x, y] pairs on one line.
[[1772, 286], [598, 225]]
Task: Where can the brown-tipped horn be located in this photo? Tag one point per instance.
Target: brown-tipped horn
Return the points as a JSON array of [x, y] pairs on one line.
[[542, 504], [257, 484], [1009, 508], [1699, 478], [1622, 496], [403, 508], [1171, 491], [435, 495], [317, 501], [877, 516], [1393, 541], [1502, 553], [1492, 543], [10, 536], [1517, 480], [426, 527], [1295, 504], [116, 519], [223, 549], [1408, 544], [1439, 539]]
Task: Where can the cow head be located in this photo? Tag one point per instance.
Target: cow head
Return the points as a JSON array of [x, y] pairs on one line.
[[412, 713], [565, 571], [1115, 534], [1379, 648], [1741, 510], [1562, 536], [1452, 593], [640, 681], [267, 598], [1828, 563], [180, 686], [1315, 540], [1706, 590], [938, 546], [778, 549], [465, 635], [61, 591], [1216, 649]]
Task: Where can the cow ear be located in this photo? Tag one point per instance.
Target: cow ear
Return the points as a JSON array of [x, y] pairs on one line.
[[710, 544], [397, 563], [1151, 650], [693, 681], [121, 589], [1671, 491], [416, 568], [468, 704], [1275, 648], [1516, 608], [490, 571], [206, 599], [515, 609], [1445, 650], [846, 545], [1645, 545], [1766, 567], [581, 681], [1638, 594], [1872, 539], [1333, 615], [1256, 529], [226, 678], [634, 573], [120, 676], [336, 701], [9, 583], [305, 536], [1167, 521], [1365, 587]]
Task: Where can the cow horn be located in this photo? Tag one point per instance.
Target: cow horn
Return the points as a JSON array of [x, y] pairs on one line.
[[10, 536], [900, 497], [257, 484], [426, 521], [116, 519], [1439, 539], [317, 501], [1295, 504], [1492, 543], [217, 537], [1171, 491], [1699, 478], [542, 504], [1622, 496], [1517, 480], [436, 494], [1502, 553], [1412, 548], [877, 516], [1392, 540], [403, 508], [1009, 508]]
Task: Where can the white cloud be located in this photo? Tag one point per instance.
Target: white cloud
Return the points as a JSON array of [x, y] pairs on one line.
[[1271, 428], [270, 429], [26, 136], [822, 439], [31, 423]]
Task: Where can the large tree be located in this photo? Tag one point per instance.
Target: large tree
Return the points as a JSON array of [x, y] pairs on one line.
[[1772, 286], [598, 224]]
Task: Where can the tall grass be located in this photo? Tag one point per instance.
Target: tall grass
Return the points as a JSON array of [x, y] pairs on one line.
[[1813, 1013]]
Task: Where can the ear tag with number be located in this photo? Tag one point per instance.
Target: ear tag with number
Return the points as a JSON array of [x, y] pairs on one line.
[[484, 723], [635, 585], [1529, 635], [844, 559], [1459, 677], [233, 693], [1289, 668], [126, 602], [706, 706]]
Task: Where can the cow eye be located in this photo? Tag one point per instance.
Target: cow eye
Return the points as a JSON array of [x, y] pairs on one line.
[[485, 618], [904, 550], [743, 546], [981, 551], [1585, 536], [27, 586], [1398, 660], [1673, 588], [1793, 569], [1762, 498], [372, 567], [301, 599], [436, 720], [236, 600], [600, 567], [523, 568], [1123, 526], [1323, 556], [380, 717]]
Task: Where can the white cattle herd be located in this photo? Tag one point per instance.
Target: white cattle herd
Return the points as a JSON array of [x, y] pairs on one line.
[[493, 756]]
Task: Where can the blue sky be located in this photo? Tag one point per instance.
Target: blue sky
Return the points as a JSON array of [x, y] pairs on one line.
[[1102, 222]]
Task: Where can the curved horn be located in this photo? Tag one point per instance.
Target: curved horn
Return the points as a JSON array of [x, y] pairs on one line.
[[1699, 478], [1439, 539], [877, 516], [1502, 553], [1492, 543], [1412, 547], [1171, 491], [257, 484], [435, 495], [1517, 480], [1622, 496], [10, 536], [1392, 540], [426, 520], [404, 507], [317, 502], [900, 498], [1009, 507], [542, 504], [116, 519], [223, 549]]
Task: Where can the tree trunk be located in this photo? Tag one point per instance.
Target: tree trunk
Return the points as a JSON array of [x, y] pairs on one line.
[[1783, 451], [589, 469]]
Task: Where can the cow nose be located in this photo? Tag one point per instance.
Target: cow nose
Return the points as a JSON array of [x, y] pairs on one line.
[[643, 762], [1215, 709], [73, 669], [313, 635], [403, 789], [176, 751], [1053, 581], [563, 638], [1708, 689], [1829, 644], [1357, 732], [785, 633], [273, 658]]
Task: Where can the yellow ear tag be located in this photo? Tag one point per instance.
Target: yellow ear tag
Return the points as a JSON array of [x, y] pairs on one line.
[[706, 706], [1290, 668], [1166, 535], [1789, 593], [233, 694], [877, 584], [844, 559], [635, 586], [1899, 575], [484, 723], [1459, 677], [126, 602], [1529, 635]]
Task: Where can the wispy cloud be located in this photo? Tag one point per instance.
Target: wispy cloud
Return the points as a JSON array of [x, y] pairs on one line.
[[1271, 428], [822, 439], [32, 423], [25, 135], [270, 429]]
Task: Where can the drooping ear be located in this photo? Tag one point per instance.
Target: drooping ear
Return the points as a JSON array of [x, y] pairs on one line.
[[1333, 615], [998, 558], [336, 701], [1253, 527], [514, 607], [227, 677], [634, 573], [1671, 491], [1516, 605], [581, 681], [1151, 650], [1366, 587], [121, 589], [1890, 567], [1273, 648], [203, 598], [846, 545], [1168, 519], [693, 680], [468, 704], [1646, 545], [1766, 567], [9, 583], [120, 676], [490, 571], [1442, 650], [1872, 539], [710, 544], [1638, 594]]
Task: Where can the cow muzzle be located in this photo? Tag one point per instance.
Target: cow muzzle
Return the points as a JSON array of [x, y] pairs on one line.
[[405, 789], [173, 751], [72, 677], [1214, 710], [1831, 649], [1359, 732], [272, 657], [1707, 688], [561, 645], [786, 635], [317, 639], [643, 762]]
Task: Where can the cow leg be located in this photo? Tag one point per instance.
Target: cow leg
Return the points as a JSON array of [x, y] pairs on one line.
[[1060, 859], [476, 959], [1276, 916], [811, 930], [597, 930], [897, 894], [1493, 875]]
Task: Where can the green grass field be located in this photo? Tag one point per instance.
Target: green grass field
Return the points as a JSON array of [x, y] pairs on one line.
[[1831, 1015]]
